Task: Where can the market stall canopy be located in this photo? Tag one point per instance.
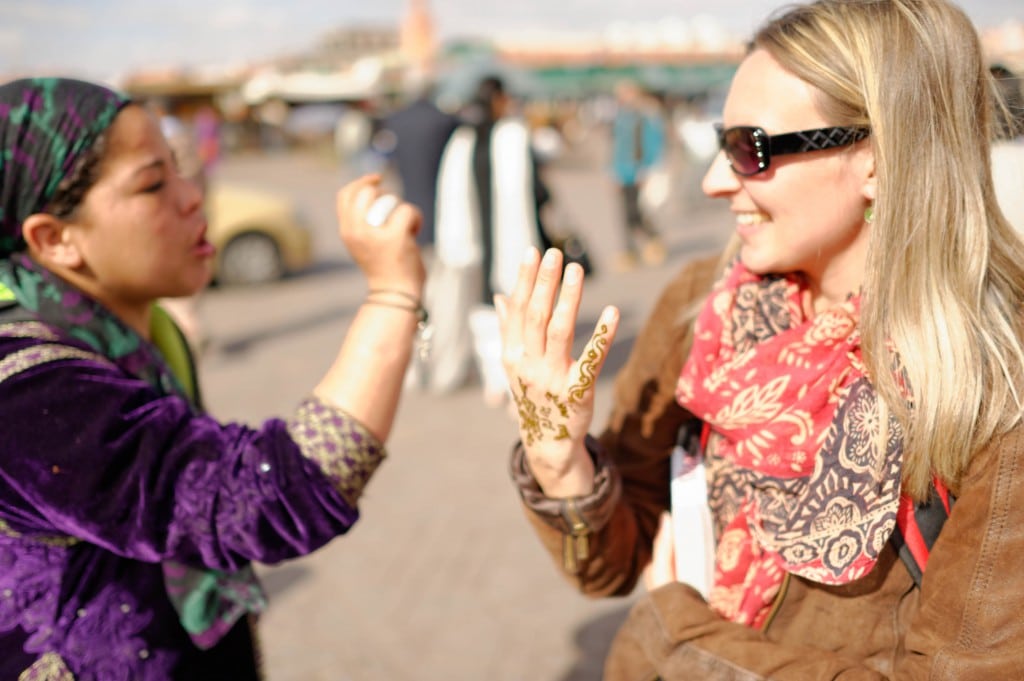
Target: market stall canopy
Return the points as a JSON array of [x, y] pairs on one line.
[[363, 81]]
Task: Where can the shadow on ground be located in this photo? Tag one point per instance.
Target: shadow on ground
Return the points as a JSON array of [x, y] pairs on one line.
[[282, 577], [592, 640], [243, 342]]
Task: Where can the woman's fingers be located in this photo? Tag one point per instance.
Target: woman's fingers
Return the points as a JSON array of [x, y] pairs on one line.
[[379, 230], [380, 210], [538, 310], [501, 307], [515, 304], [562, 327], [537, 335], [355, 197], [411, 218], [583, 375]]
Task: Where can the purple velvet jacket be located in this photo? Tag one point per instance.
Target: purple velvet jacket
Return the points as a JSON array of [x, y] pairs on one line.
[[102, 479]]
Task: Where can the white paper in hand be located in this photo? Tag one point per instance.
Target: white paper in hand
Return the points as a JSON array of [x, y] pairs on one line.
[[692, 531]]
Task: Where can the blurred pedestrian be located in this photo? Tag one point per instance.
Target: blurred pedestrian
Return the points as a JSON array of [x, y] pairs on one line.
[[1009, 112], [206, 125], [358, 144], [638, 146], [487, 207], [1008, 149], [421, 131], [271, 117], [129, 518]]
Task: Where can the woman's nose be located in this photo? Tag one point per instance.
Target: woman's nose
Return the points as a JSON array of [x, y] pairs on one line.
[[720, 181], [192, 193]]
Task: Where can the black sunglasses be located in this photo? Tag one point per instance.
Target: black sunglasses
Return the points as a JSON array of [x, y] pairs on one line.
[[750, 149]]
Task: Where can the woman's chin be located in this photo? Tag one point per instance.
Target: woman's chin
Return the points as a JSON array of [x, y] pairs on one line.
[[192, 285], [756, 262], [205, 277]]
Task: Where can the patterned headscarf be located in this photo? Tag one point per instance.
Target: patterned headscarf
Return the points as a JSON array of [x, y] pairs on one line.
[[46, 125]]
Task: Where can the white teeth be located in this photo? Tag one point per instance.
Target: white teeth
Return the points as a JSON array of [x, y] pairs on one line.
[[749, 219]]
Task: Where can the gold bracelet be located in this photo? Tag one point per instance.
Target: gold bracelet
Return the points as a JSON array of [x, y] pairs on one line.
[[418, 310], [424, 331], [408, 296]]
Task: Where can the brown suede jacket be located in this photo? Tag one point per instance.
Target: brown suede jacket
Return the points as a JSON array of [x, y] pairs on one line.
[[965, 622]]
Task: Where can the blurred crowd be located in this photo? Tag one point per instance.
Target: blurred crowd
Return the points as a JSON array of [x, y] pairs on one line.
[[630, 130]]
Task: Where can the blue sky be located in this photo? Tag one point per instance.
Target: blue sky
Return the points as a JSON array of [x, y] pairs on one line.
[[101, 38]]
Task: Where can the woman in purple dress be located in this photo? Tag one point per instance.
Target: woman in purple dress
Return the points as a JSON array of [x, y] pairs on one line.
[[128, 517]]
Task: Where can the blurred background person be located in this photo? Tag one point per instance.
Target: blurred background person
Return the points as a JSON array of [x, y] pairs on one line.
[[487, 216], [638, 145], [353, 134], [1008, 148], [420, 132], [206, 124]]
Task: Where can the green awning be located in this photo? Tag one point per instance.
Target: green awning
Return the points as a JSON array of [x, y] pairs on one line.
[[673, 79]]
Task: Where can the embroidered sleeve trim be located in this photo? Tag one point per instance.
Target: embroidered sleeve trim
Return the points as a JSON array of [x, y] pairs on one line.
[[49, 667], [56, 540], [28, 330], [343, 448], [25, 359]]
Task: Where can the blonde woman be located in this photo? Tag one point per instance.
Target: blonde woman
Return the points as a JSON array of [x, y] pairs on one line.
[[851, 378]]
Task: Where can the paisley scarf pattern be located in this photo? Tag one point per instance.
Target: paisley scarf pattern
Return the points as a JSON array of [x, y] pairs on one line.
[[801, 482], [46, 125]]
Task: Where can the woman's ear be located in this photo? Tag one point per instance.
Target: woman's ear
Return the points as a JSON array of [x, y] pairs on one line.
[[49, 241]]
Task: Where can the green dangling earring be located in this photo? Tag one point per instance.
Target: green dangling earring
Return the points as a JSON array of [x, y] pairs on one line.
[[869, 213]]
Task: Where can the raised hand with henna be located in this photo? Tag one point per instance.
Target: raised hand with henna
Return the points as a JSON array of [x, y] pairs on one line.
[[553, 392]]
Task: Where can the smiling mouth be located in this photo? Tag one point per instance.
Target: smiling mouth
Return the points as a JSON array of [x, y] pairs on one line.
[[750, 219]]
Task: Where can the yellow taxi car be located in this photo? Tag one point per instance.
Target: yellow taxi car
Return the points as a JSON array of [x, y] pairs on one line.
[[260, 236]]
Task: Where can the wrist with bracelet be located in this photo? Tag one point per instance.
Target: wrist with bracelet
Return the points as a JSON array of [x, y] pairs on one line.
[[407, 301], [412, 303]]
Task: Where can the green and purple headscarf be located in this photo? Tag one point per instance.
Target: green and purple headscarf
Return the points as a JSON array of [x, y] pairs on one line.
[[46, 125]]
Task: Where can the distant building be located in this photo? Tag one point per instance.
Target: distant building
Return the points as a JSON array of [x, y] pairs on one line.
[[343, 47], [183, 92], [418, 40], [347, 64]]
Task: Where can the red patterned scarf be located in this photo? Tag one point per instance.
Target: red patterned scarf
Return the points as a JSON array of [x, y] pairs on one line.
[[794, 425]]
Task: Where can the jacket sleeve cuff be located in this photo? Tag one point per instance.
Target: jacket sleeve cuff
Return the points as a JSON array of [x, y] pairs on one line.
[[595, 509], [343, 448]]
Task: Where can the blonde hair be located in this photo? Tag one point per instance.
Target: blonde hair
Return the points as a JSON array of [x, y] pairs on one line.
[[944, 282]]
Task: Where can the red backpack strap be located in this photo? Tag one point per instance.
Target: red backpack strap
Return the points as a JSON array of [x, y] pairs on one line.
[[918, 526], [705, 433]]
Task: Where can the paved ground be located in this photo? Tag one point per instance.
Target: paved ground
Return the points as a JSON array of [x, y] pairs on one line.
[[441, 578]]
